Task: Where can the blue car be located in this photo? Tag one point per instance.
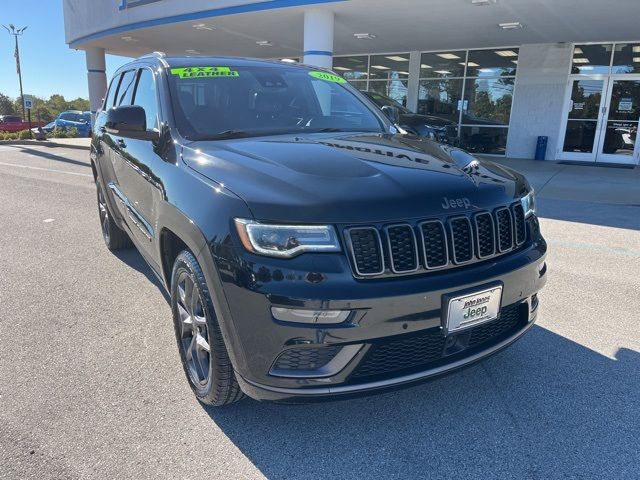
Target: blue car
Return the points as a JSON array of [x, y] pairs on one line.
[[75, 119]]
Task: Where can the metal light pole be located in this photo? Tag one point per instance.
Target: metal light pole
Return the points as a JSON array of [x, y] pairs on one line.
[[17, 32]]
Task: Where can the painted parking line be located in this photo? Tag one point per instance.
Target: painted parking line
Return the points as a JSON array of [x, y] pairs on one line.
[[29, 167]]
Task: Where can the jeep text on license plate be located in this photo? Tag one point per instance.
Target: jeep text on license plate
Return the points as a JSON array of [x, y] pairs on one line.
[[470, 310]]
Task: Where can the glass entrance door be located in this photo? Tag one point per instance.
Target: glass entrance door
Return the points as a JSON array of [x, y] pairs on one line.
[[602, 120], [619, 130], [584, 119]]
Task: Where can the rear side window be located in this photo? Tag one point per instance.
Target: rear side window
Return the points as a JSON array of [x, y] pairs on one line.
[[125, 92], [146, 97], [111, 95]]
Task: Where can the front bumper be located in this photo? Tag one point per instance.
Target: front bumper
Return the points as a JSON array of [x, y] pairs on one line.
[[271, 393], [383, 311]]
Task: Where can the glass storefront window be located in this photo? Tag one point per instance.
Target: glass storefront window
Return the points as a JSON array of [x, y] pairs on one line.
[[442, 64], [488, 101], [590, 59], [440, 98], [359, 84], [490, 140], [352, 68], [492, 63], [471, 91], [388, 67], [394, 88], [626, 58]]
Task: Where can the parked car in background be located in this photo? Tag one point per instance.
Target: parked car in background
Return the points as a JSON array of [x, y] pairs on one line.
[[436, 128], [75, 119], [46, 129], [14, 123]]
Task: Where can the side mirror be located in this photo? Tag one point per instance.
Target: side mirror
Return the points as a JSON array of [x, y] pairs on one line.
[[128, 121], [392, 113]]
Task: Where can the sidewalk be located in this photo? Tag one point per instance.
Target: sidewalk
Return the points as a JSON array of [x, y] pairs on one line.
[[552, 180], [79, 143]]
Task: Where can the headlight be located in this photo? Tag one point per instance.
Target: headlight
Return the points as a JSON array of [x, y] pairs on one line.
[[286, 241], [529, 204]]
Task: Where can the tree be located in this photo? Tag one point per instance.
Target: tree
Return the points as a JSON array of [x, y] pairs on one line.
[[79, 104], [6, 105]]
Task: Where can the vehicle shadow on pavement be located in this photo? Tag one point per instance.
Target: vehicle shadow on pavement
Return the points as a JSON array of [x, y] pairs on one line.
[[607, 215], [51, 156], [133, 259], [545, 408]]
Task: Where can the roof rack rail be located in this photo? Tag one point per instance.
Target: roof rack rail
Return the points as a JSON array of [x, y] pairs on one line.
[[154, 55]]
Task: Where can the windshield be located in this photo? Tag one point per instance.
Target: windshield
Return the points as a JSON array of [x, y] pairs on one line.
[[383, 101], [10, 119], [71, 117], [223, 102]]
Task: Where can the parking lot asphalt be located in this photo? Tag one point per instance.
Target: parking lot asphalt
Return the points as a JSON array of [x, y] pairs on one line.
[[91, 384]]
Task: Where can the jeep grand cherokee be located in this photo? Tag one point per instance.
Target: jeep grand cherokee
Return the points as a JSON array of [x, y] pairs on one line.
[[309, 250]]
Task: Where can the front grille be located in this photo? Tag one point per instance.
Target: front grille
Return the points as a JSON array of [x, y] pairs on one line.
[[485, 234], [483, 333], [403, 248], [305, 358], [520, 227], [415, 352], [505, 229], [367, 250], [434, 241], [461, 240], [435, 244], [400, 354]]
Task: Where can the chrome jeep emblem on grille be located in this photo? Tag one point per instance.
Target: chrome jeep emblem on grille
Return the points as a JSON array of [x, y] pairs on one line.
[[455, 203]]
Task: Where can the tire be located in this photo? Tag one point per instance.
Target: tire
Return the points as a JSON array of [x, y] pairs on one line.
[[114, 237], [202, 349]]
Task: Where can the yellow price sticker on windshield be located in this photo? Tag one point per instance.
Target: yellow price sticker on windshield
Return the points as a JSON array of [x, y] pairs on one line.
[[204, 72], [329, 77]]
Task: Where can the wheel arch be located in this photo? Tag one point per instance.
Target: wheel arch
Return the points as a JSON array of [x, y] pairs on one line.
[[176, 232]]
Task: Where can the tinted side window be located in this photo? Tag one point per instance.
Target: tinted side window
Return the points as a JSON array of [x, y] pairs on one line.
[[146, 97], [125, 92], [111, 95]]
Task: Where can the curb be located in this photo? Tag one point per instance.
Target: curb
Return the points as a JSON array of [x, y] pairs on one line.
[[44, 143]]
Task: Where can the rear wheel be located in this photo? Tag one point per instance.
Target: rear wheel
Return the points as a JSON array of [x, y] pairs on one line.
[[202, 350], [114, 237]]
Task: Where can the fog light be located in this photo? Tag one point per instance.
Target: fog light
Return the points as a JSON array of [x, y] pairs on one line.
[[310, 316]]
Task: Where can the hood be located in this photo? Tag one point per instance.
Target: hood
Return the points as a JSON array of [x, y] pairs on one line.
[[351, 178]]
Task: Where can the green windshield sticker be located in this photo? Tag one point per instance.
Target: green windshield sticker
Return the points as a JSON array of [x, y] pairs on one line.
[[329, 77], [204, 72]]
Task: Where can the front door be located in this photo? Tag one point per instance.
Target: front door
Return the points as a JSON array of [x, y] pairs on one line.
[[602, 120], [619, 130], [584, 119]]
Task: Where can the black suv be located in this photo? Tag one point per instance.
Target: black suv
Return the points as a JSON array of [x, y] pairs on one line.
[[309, 250]]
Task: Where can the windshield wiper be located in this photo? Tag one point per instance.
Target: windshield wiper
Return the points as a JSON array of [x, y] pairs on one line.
[[335, 129], [231, 134]]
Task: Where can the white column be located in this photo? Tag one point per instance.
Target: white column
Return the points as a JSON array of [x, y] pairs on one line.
[[414, 81], [96, 77], [318, 38]]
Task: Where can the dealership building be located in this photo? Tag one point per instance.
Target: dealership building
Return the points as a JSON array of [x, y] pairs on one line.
[[502, 73]]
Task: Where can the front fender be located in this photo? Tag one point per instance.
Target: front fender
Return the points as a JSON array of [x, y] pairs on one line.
[[199, 213]]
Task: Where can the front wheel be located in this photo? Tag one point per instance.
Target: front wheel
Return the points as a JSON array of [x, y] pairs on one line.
[[202, 350]]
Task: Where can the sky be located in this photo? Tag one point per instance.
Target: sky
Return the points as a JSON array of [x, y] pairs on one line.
[[48, 65]]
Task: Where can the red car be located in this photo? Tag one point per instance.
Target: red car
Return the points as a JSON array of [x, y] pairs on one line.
[[14, 123]]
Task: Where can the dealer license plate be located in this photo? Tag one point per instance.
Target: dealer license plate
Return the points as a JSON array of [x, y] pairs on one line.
[[470, 310]]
